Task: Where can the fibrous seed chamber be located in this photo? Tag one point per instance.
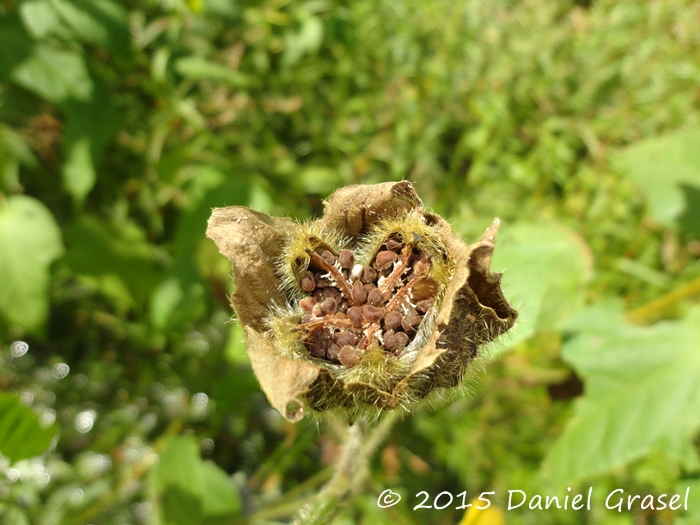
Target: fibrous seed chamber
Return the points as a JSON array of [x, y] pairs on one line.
[[377, 305]]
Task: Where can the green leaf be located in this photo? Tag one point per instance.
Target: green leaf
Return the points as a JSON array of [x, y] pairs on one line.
[[40, 18], [661, 166], [29, 242], [100, 22], [54, 74], [545, 267], [118, 249], [191, 490], [21, 435], [642, 388], [78, 170], [221, 498], [201, 68]]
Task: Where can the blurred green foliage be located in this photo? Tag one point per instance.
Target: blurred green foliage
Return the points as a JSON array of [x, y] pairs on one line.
[[123, 123]]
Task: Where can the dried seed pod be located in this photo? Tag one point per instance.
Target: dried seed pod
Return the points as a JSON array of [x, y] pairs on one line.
[[459, 303]]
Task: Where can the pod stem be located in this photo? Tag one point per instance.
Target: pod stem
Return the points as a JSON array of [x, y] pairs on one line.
[[350, 473]]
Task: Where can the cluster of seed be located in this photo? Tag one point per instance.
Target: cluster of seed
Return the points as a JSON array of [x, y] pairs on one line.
[[351, 309]]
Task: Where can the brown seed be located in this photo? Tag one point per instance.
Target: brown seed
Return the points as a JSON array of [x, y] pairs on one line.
[[392, 321], [318, 341], [333, 352], [355, 316], [343, 308], [393, 245], [321, 282], [401, 342], [385, 259], [369, 275], [372, 314], [369, 287], [329, 306], [364, 342], [358, 293], [424, 305], [422, 265], [307, 304], [375, 297], [410, 322], [306, 318], [317, 310], [307, 282], [345, 337], [390, 341], [333, 293], [319, 296], [328, 256], [350, 356], [346, 259]]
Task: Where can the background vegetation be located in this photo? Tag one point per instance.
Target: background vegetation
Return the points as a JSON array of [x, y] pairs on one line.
[[126, 396]]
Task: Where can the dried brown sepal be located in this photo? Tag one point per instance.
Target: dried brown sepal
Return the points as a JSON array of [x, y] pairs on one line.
[[376, 305]]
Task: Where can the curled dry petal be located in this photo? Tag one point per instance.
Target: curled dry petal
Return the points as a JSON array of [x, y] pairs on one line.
[[375, 306]]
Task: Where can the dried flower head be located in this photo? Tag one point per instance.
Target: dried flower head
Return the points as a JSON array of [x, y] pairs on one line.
[[375, 306]]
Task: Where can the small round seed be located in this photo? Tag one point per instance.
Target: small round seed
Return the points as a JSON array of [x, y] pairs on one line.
[[349, 356], [321, 282], [424, 305], [358, 293], [392, 321], [369, 287], [385, 259], [355, 316], [306, 318], [333, 293], [307, 282], [318, 343], [329, 306], [410, 322], [422, 265], [346, 259], [356, 272], [328, 257], [345, 337], [333, 352], [317, 310], [369, 274], [393, 245], [307, 304], [372, 314], [390, 341], [401, 342], [375, 297], [319, 296]]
